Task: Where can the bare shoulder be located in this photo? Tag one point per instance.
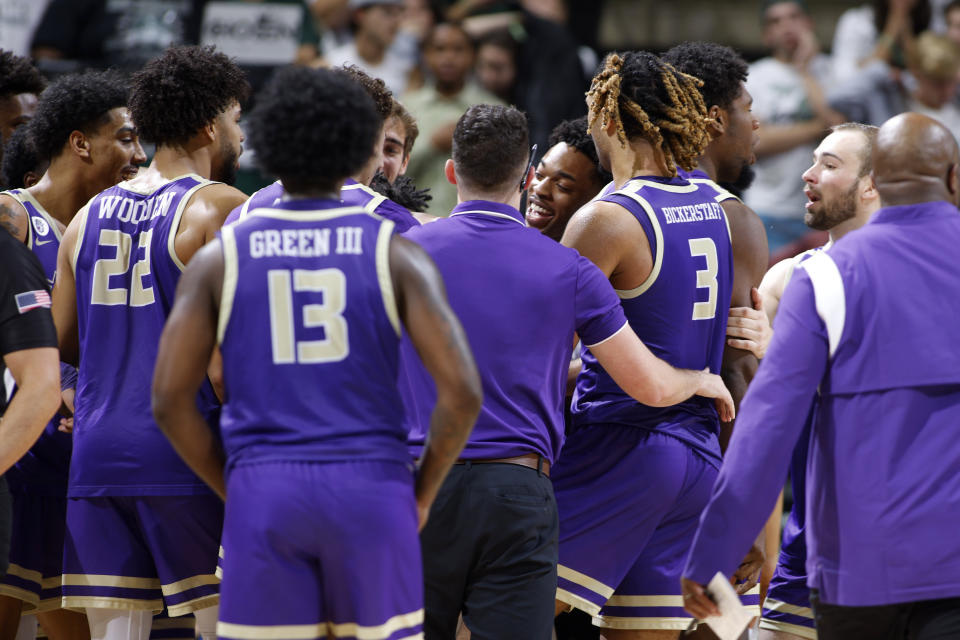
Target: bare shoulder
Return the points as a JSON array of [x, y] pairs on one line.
[[600, 218], [746, 228], [216, 201], [13, 217]]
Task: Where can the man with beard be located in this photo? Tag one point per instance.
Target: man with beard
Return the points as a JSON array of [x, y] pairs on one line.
[[882, 448], [567, 177], [83, 129], [842, 198], [137, 518]]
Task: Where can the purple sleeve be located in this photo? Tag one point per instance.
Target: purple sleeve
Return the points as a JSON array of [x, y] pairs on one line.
[[598, 311], [770, 422], [400, 216]]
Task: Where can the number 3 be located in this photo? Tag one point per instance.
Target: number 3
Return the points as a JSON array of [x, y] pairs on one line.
[[706, 278]]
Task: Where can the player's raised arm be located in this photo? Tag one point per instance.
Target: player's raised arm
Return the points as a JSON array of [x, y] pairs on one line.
[[186, 345], [438, 337]]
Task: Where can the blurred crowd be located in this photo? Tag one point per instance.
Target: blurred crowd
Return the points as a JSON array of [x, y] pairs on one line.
[[441, 56]]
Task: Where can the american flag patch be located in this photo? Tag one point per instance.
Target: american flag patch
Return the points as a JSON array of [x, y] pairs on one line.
[[32, 300]]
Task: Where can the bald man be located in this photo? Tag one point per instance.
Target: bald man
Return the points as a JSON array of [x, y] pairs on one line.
[[882, 481]]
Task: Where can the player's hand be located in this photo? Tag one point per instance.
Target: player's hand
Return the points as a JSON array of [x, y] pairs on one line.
[[748, 573], [696, 602], [66, 425], [749, 328], [711, 386]]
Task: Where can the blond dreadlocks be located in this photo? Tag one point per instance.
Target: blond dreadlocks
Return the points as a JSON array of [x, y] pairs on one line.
[[649, 98]]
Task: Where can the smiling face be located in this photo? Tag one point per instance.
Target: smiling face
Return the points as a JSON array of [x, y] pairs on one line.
[[115, 150], [564, 181], [834, 182]]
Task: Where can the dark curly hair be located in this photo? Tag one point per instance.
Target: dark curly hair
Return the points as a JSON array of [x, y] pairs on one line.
[[721, 68], [183, 90], [491, 145], [19, 158], [648, 98], [403, 191], [75, 102], [376, 87], [312, 127], [575, 134], [18, 76]]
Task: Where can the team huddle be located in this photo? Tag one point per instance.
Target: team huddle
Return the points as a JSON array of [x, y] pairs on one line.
[[315, 413]]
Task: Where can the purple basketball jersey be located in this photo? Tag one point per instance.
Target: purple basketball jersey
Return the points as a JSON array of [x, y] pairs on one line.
[[126, 272], [680, 311], [310, 336]]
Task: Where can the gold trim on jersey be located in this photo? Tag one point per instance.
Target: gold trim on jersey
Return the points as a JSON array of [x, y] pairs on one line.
[[181, 207], [174, 623], [672, 188], [645, 601], [312, 215], [783, 607], [380, 631], [103, 580], [189, 583], [24, 573], [653, 622], [193, 605], [81, 232], [128, 185], [585, 581], [271, 632], [630, 190], [30, 599], [105, 602], [229, 287], [786, 627], [376, 198], [722, 194], [383, 274], [577, 602], [51, 222]]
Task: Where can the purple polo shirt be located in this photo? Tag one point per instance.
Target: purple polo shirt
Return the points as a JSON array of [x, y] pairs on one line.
[[872, 322], [520, 297]]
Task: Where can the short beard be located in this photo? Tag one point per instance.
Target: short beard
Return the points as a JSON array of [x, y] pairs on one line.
[[228, 167], [742, 183], [830, 216]]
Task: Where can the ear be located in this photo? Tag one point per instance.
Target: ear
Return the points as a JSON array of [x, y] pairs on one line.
[[953, 183], [719, 121], [79, 144], [528, 179], [449, 171], [209, 131], [868, 189]]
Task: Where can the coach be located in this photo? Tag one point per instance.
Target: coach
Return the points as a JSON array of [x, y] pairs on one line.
[[872, 323]]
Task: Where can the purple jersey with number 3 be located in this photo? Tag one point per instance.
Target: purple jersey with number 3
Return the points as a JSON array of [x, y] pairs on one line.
[[126, 274], [679, 312]]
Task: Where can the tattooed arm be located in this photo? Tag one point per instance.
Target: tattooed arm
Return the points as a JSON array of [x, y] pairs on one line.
[[13, 218], [439, 339]]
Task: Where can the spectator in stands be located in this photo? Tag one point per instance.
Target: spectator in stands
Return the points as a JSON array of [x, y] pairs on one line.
[[18, 20], [497, 64], [883, 32], [951, 15], [375, 27], [789, 101], [934, 64], [113, 33], [449, 55]]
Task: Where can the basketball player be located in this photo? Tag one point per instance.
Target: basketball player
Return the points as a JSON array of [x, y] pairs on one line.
[[567, 177], [356, 191], [490, 550], [82, 128], [20, 84], [22, 167], [137, 517], [633, 478], [882, 452], [323, 509]]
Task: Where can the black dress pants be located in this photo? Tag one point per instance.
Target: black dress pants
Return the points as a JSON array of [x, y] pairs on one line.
[[922, 620], [490, 552]]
